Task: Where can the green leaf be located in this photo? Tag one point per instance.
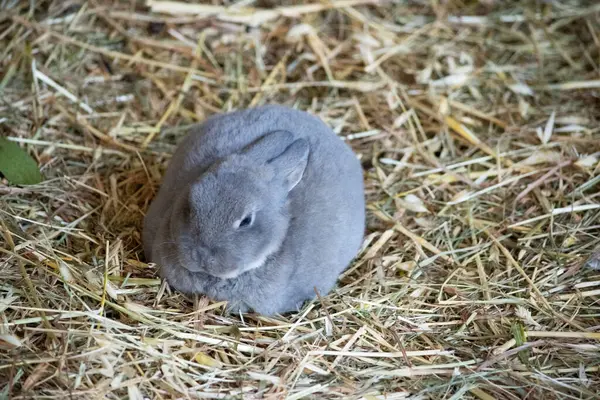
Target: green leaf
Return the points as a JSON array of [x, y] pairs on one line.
[[16, 165]]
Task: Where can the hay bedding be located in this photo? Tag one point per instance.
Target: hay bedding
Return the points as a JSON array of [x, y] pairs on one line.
[[477, 124]]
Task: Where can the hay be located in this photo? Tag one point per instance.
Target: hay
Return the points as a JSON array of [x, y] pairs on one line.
[[477, 125]]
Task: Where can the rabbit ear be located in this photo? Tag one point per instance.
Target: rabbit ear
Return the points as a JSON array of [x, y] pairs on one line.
[[290, 164], [269, 146]]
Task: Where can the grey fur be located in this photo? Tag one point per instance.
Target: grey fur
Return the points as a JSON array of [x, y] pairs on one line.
[[302, 184]]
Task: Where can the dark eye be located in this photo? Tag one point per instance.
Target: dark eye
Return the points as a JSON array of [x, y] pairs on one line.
[[247, 221]]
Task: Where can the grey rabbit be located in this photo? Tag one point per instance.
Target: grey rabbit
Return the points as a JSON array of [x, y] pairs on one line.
[[257, 208]]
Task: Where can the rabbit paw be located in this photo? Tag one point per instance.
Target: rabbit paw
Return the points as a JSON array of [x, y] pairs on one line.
[[237, 307]]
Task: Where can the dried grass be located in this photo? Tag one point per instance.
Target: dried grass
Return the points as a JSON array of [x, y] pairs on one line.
[[477, 124]]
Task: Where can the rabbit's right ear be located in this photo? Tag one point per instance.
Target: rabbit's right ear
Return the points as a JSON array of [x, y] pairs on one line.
[[269, 146], [290, 164]]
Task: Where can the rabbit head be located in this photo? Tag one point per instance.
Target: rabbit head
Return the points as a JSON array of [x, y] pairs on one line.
[[236, 214]]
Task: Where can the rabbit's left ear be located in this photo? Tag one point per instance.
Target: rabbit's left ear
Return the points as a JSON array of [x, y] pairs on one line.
[[290, 164]]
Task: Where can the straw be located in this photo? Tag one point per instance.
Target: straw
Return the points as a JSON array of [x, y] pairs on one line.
[[477, 127]]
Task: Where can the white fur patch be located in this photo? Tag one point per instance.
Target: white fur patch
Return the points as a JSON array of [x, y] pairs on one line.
[[230, 275]]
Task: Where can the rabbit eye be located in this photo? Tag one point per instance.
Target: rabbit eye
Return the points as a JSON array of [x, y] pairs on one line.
[[246, 221]]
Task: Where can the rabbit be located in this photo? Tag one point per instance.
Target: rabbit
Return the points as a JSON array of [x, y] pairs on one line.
[[257, 208]]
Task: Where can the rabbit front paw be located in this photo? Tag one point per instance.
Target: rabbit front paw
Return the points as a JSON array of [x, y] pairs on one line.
[[237, 307]]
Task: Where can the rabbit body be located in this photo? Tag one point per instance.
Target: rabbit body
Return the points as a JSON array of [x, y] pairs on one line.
[[302, 194]]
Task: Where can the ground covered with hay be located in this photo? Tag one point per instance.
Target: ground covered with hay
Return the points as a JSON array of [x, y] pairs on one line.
[[477, 126]]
